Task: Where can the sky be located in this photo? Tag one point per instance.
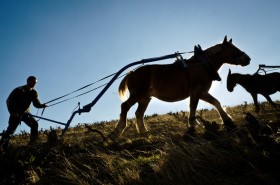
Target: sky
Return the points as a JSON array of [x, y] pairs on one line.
[[68, 44]]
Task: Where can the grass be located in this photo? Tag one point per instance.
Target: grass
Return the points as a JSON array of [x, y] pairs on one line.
[[166, 155]]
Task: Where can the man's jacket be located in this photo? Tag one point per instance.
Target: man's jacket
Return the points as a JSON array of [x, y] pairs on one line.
[[20, 99]]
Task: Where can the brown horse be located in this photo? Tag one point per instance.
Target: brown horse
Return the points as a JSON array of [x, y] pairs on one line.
[[173, 82], [256, 84]]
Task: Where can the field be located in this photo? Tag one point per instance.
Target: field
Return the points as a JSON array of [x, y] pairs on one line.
[[249, 154]]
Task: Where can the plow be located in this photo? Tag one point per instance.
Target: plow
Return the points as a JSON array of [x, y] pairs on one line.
[[87, 108]]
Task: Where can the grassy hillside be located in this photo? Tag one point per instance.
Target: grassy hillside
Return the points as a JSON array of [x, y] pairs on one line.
[[166, 155]]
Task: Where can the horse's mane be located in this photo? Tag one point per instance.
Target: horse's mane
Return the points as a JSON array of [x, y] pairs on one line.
[[210, 51], [213, 49]]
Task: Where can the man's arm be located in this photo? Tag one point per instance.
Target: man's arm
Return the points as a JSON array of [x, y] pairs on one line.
[[36, 101]]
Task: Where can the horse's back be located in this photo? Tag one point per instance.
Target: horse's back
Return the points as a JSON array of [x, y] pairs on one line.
[[169, 82], [145, 75], [166, 82], [268, 83], [149, 76], [274, 78]]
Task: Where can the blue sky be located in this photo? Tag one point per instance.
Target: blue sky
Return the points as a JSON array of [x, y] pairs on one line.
[[68, 44]]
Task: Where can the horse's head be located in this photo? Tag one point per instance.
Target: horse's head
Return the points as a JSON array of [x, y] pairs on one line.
[[235, 55], [230, 82], [227, 52]]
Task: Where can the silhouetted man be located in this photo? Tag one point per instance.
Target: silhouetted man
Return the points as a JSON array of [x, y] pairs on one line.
[[18, 104]]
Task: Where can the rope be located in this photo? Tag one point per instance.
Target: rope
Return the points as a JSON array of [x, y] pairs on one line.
[[80, 94], [83, 88], [79, 89], [76, 96]]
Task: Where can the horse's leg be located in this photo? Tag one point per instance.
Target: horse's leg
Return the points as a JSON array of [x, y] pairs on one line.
[[255, 98], [225, 117], [142, 106], [192, 118], [269, 100], [125, 106]]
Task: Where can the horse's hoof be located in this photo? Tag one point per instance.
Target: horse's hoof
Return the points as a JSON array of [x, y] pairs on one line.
[[113, 135], [144, 134], [189, 135], [191, 131], [229, 125]]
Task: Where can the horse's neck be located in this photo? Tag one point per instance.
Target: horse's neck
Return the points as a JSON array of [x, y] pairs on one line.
[[216, 64], [243, 80], [216, 61], [216, 56]]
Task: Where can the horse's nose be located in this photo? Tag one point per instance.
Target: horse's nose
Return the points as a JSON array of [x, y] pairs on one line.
[[248, 58], [229, 89]]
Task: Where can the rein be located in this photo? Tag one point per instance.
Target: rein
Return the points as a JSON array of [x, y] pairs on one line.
[[78, 94], [55, 99]]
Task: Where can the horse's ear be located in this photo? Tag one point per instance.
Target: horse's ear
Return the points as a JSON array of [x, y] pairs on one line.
[[199, 47], [229, 72], [195, 49], [230, 41], [225, 40]]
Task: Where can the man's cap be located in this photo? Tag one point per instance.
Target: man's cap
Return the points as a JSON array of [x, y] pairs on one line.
[[32, 78]]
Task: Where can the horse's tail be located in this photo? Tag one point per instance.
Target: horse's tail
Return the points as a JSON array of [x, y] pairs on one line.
[[123, 87]]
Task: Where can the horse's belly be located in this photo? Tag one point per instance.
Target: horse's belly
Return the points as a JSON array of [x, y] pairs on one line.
[[170, 95], [168, 99]]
